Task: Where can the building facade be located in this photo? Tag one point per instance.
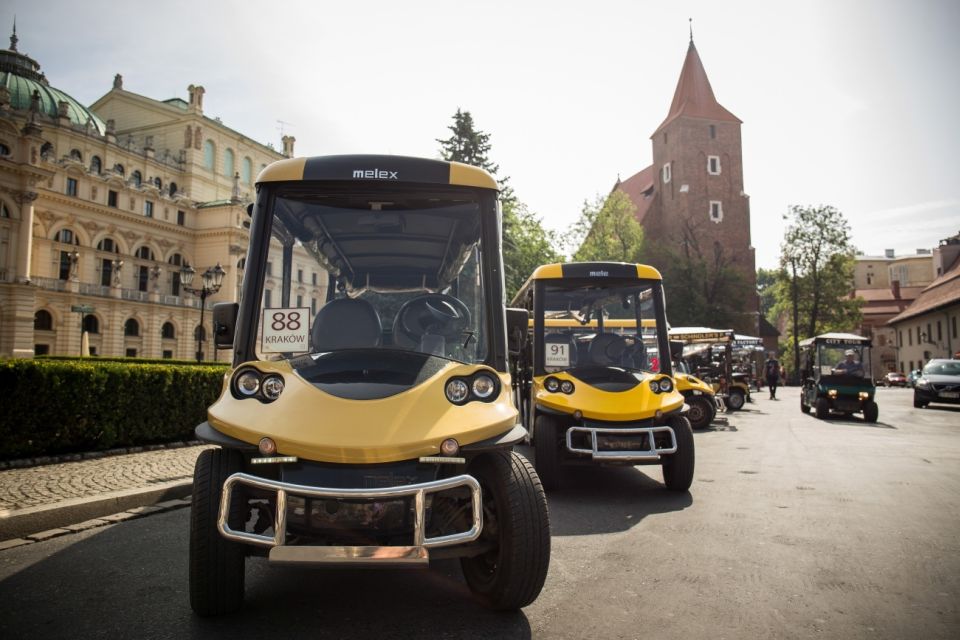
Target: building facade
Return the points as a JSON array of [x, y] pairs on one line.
[[691, 200], [101, 208]]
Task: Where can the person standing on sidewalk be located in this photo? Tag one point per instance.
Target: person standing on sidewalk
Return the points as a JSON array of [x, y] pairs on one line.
[[771, 371]]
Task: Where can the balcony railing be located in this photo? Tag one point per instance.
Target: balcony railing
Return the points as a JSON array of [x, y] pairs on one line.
[[101, 291]]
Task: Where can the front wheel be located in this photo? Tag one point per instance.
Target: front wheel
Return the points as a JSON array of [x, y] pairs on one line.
[[678, 467], [735, 400], [918, 404], [804, 406], [216, 564], [517, 525], [871, 411], [823, 408], [701, 412], [546, 448]]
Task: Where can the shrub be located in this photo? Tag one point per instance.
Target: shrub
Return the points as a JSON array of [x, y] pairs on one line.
[[59, 406]]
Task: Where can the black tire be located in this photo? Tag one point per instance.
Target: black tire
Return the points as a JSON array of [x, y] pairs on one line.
[[804, 406], [216, 564], [918, 404], [871, 411], [701, 412], [546, 447], [678, 467], [823, 408], [735, 400], [516, 520]]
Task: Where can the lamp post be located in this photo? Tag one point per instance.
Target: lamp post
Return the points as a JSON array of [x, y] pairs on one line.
[[212, 279]]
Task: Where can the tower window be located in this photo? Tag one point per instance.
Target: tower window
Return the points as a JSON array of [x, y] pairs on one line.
[[713, 165], [716, 211], [667, 173], [713, 132]]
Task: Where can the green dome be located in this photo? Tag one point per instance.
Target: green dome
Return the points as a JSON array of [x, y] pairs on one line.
[[21, 76]]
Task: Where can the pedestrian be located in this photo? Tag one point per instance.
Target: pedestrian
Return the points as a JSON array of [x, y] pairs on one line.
[[771, 371]]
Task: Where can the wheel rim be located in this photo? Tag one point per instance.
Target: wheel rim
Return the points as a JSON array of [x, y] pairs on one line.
[[696, 412], [486, 565], [736, 400]]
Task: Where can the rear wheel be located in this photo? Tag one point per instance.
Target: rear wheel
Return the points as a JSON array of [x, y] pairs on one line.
[[735, 400], [823, 408], [871, 411], [516, 523], [216, 564], [678, 467], [546, 448], [701, 412]]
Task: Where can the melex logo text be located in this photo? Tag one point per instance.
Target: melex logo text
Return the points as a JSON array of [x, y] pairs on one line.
[[381, 174], [601, 274]]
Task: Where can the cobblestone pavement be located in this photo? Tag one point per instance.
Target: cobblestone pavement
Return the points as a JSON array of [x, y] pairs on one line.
[[47, 484]]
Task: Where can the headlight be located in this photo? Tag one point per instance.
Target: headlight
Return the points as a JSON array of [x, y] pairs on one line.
[[457, 391], [484, 386], [666, 385], [863, 395], [566, 386], [654, 386], [922, 384], [832, 393], [248, 383], [552, 385], [272, 387]]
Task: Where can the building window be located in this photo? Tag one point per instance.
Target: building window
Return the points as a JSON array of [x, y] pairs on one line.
[[41, 349], [108, 245], [112, 199], [131, 353], [716, 211], [65, 264], [209, 154], [4, 150], [71, 187], [953, 326], [267, 303], [42, 321], [939, 331], [144, 253], [900, 342], [168, 332], [869, 278], [96, 165], [228, 163], [181, 218], [143, 277], [713, 165], [131, 328], [148, 208], [299, 275], [299, 301], [911, 366], [91, 324], [269, 268], [167, 354], [158, 183], [713, 132], [76, 155], [247, 171], [4, 212], [172, 189], [177, 261], [314, 277], [667, 173], [46, 152], [313, 306], [106, 272], [66, 236]]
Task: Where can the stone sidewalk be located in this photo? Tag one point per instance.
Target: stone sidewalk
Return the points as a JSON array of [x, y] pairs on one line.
[[55, 495]]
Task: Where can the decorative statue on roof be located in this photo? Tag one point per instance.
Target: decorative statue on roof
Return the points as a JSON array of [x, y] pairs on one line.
[[118, 81]]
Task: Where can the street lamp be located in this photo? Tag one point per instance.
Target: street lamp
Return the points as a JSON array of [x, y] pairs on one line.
[[212, 279]]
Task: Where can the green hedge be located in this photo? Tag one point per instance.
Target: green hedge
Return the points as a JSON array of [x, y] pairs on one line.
[[62, 406], [205, 363]]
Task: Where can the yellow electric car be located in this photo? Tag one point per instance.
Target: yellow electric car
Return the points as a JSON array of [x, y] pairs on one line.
[[700, 397], [600, 391], [373, 425], [709, 353]]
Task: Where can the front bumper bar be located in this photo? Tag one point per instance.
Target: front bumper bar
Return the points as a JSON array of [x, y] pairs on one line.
[[416, 554], [652, 453]]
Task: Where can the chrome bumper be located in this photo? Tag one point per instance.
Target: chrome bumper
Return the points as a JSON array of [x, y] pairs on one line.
[[653, 453], [415, 554]]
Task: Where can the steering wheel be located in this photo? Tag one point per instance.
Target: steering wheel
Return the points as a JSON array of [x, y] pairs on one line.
[[433, 314], [607, 349]]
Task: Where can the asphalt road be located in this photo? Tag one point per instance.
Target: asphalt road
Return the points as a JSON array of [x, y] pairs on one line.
[[794, 528]]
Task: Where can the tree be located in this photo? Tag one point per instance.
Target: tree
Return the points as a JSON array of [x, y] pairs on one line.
[[607, 230], [526, 245], [766, 289], [815, 280], [470, 146]]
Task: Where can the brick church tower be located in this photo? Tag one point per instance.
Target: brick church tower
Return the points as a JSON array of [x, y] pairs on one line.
[[691, 200]]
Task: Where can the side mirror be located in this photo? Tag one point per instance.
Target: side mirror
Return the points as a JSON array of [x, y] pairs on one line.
[[224, 324], [517, 321], [676, 349]]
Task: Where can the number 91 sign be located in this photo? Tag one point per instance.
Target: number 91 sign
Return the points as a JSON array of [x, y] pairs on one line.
[[286, 330]]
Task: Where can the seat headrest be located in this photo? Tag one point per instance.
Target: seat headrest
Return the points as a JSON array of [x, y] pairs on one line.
[[346, 323]]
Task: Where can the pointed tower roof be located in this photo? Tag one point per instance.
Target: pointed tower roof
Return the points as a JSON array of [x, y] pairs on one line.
[[694, 96]]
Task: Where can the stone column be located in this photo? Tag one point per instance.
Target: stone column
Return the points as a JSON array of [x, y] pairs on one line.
[[25, 239]]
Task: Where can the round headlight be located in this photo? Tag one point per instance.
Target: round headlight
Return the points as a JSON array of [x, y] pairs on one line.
[[267, 446], [654, 386], [457, 391], [484, 386], [272, 387], [449, 447], [552, 385], [566, 386], [666, 384], [248, 383]]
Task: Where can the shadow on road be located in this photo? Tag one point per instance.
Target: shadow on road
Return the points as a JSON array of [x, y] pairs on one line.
[[941, 407], [130, 580], [608, 499], [856, 422]]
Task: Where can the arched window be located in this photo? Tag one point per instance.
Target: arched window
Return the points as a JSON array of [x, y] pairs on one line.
[[76, 155], [137, 178], [46, 151], [144, 253], [209, 154], [108, 245], [96, 165], [158, 183], [42, 321], [91, 324], [4, 150], [228, 163], [131, 328], [118, 168], [66, 236], [172, 188], [4, 212], [168, 332], [247, 174]]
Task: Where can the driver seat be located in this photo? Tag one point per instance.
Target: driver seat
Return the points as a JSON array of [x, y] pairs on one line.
[[346, 323]]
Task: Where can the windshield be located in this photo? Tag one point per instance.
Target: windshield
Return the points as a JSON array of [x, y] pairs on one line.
[[597, 325], [379, 270], [844, 359], [949, 368]]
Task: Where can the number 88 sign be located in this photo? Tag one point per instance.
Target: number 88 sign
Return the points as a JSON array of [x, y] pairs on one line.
[[286, 330]]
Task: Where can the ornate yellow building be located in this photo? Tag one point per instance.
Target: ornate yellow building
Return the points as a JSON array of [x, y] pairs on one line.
[[100, 209]]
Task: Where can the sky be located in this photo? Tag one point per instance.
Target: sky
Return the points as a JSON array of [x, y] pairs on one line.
[[851, 103]]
